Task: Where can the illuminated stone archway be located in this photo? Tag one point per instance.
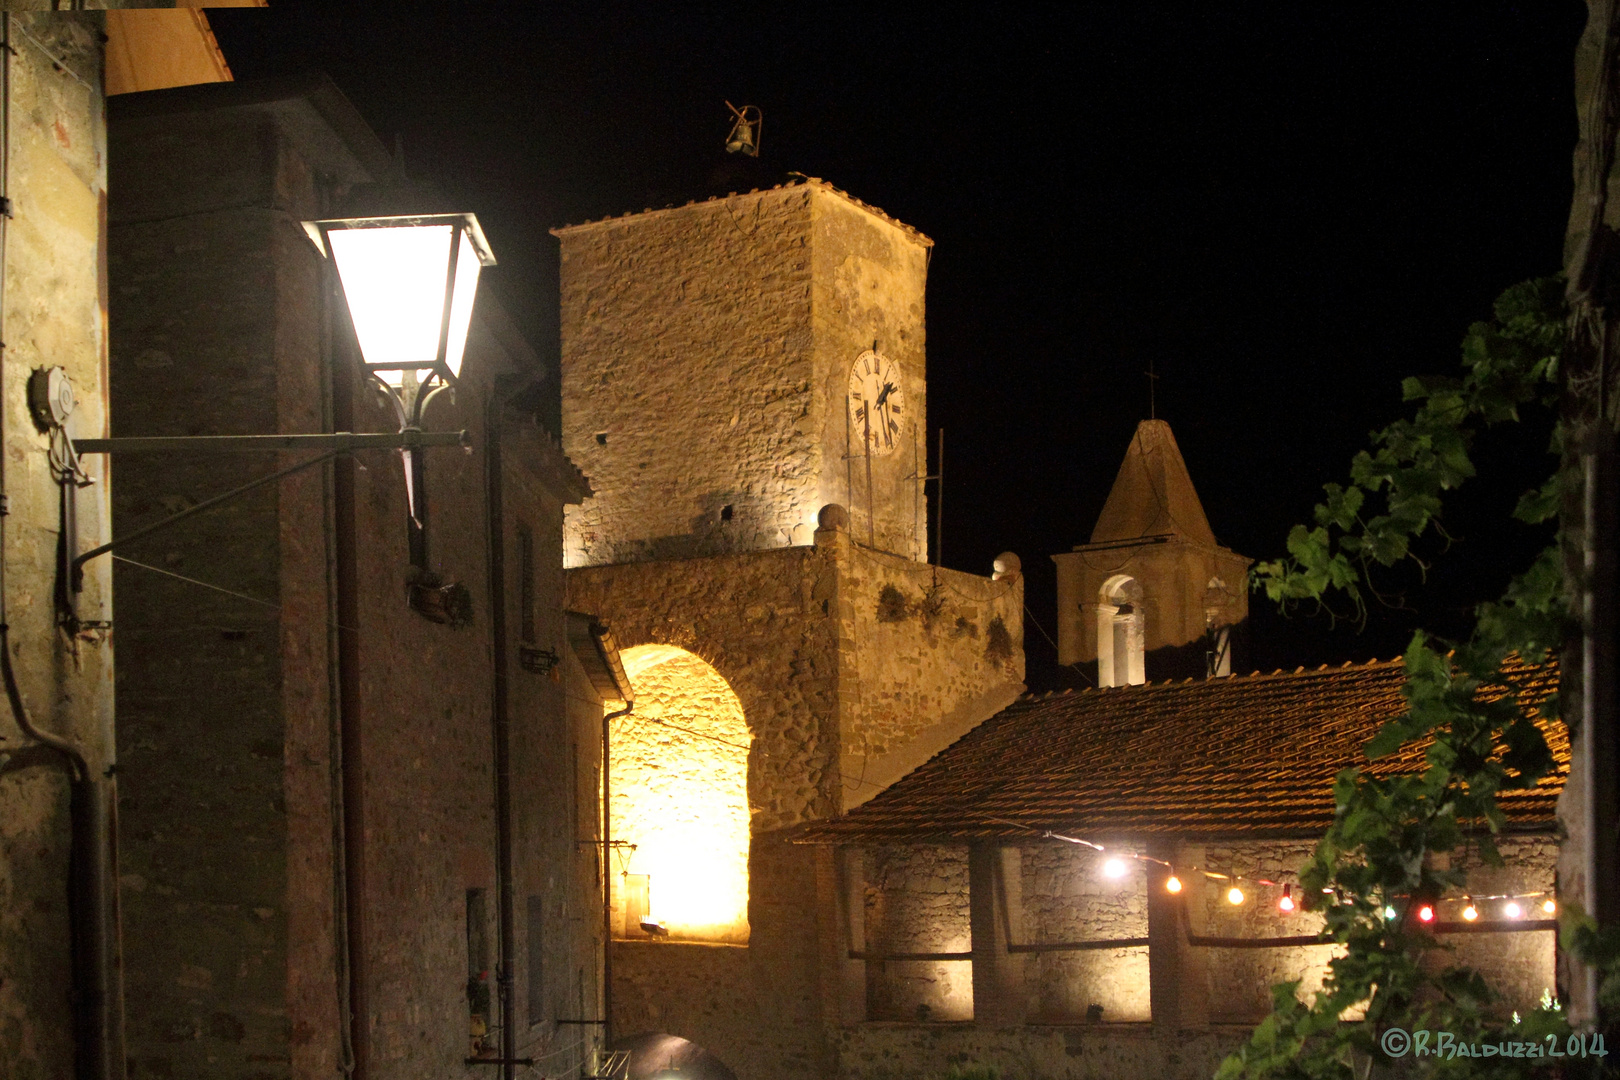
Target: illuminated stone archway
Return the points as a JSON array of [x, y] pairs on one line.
[[680, 794]]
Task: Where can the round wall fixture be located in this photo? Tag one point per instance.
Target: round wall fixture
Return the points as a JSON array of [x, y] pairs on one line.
[[50, 397]]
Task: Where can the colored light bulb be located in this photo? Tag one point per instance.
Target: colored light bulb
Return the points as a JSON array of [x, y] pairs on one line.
[[1234, 895], [1114, 868], [1549, 907], [1470, 912], [1285, 903], [1172, 884], [1389, 912], [1512, 909], [1426, 913]]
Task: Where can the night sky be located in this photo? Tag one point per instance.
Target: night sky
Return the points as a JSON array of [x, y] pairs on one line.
[[1283, 211]]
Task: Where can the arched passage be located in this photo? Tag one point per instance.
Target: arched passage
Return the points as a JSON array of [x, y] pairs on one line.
[[656, 1056], [680, 794]]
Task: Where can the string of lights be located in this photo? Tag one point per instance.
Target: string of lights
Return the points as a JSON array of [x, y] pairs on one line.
[[1116, 865]]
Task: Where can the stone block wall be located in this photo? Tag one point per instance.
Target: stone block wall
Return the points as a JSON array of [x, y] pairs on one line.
[[705, 356], [930, 652]]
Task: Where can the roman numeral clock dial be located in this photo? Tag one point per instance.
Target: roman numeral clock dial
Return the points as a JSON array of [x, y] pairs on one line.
[[876, 404]]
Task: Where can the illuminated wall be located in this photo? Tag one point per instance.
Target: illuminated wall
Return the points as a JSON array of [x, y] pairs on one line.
[[680, 794]]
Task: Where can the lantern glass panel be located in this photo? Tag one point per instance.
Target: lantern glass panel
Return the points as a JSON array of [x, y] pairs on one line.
[[461, 304], [393, 279]]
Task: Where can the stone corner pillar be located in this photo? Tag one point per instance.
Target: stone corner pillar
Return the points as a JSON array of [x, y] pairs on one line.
[[1178, 987]]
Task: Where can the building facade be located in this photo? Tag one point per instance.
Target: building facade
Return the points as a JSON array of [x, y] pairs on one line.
[[360, 825]]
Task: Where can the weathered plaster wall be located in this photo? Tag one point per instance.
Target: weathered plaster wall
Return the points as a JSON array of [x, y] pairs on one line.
[[1067, 898], [705, 353], [914, 904], [55, 314]]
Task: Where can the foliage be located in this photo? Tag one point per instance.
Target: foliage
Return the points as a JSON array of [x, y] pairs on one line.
[[1464, 696], [972, 1072]]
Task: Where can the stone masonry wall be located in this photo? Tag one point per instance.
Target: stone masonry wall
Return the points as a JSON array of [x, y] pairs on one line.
[[1240, 980], [706, 352], [930, 653], [55, 314], [227, 850], [869, 275], [686, 370], [914, 904], [1066, 898], [783, 629]]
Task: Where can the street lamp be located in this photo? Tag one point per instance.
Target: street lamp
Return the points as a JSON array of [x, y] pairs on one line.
[[409, 283]]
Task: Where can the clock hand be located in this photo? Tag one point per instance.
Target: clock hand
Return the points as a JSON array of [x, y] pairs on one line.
[[884, 396]]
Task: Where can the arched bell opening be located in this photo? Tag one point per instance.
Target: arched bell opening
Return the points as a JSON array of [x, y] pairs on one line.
[[1121, 632]]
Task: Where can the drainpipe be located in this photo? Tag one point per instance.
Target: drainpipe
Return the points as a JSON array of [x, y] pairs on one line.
[[351, 765], [97, 1015], [501, 722]]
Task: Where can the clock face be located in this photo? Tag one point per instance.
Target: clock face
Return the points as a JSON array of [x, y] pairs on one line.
[[876, 404]]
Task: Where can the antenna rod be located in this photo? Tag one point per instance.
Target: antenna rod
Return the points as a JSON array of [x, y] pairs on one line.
[[939, 504]]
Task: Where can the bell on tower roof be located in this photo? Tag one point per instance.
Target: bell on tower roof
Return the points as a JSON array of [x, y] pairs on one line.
[[1153, 494]]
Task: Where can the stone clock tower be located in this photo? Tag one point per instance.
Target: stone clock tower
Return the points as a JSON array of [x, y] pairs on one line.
[[743, 382], [718, 360]]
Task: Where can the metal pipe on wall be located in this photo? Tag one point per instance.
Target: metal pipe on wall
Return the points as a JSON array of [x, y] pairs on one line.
[[501, 728]]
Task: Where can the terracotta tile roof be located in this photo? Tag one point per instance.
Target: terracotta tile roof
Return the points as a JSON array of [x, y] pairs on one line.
[[799, 180], [1245, 756]]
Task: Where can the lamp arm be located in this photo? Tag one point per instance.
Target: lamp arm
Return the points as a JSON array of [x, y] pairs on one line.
[[206, 504]]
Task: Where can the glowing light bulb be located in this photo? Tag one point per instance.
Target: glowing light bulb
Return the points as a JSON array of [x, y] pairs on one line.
[[1172, 884], [1234, 895], [1114, 868], [1549, 907], [1426, 913], [1512, 909], [1389, 912], [1285, 903], [1470, 912]]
